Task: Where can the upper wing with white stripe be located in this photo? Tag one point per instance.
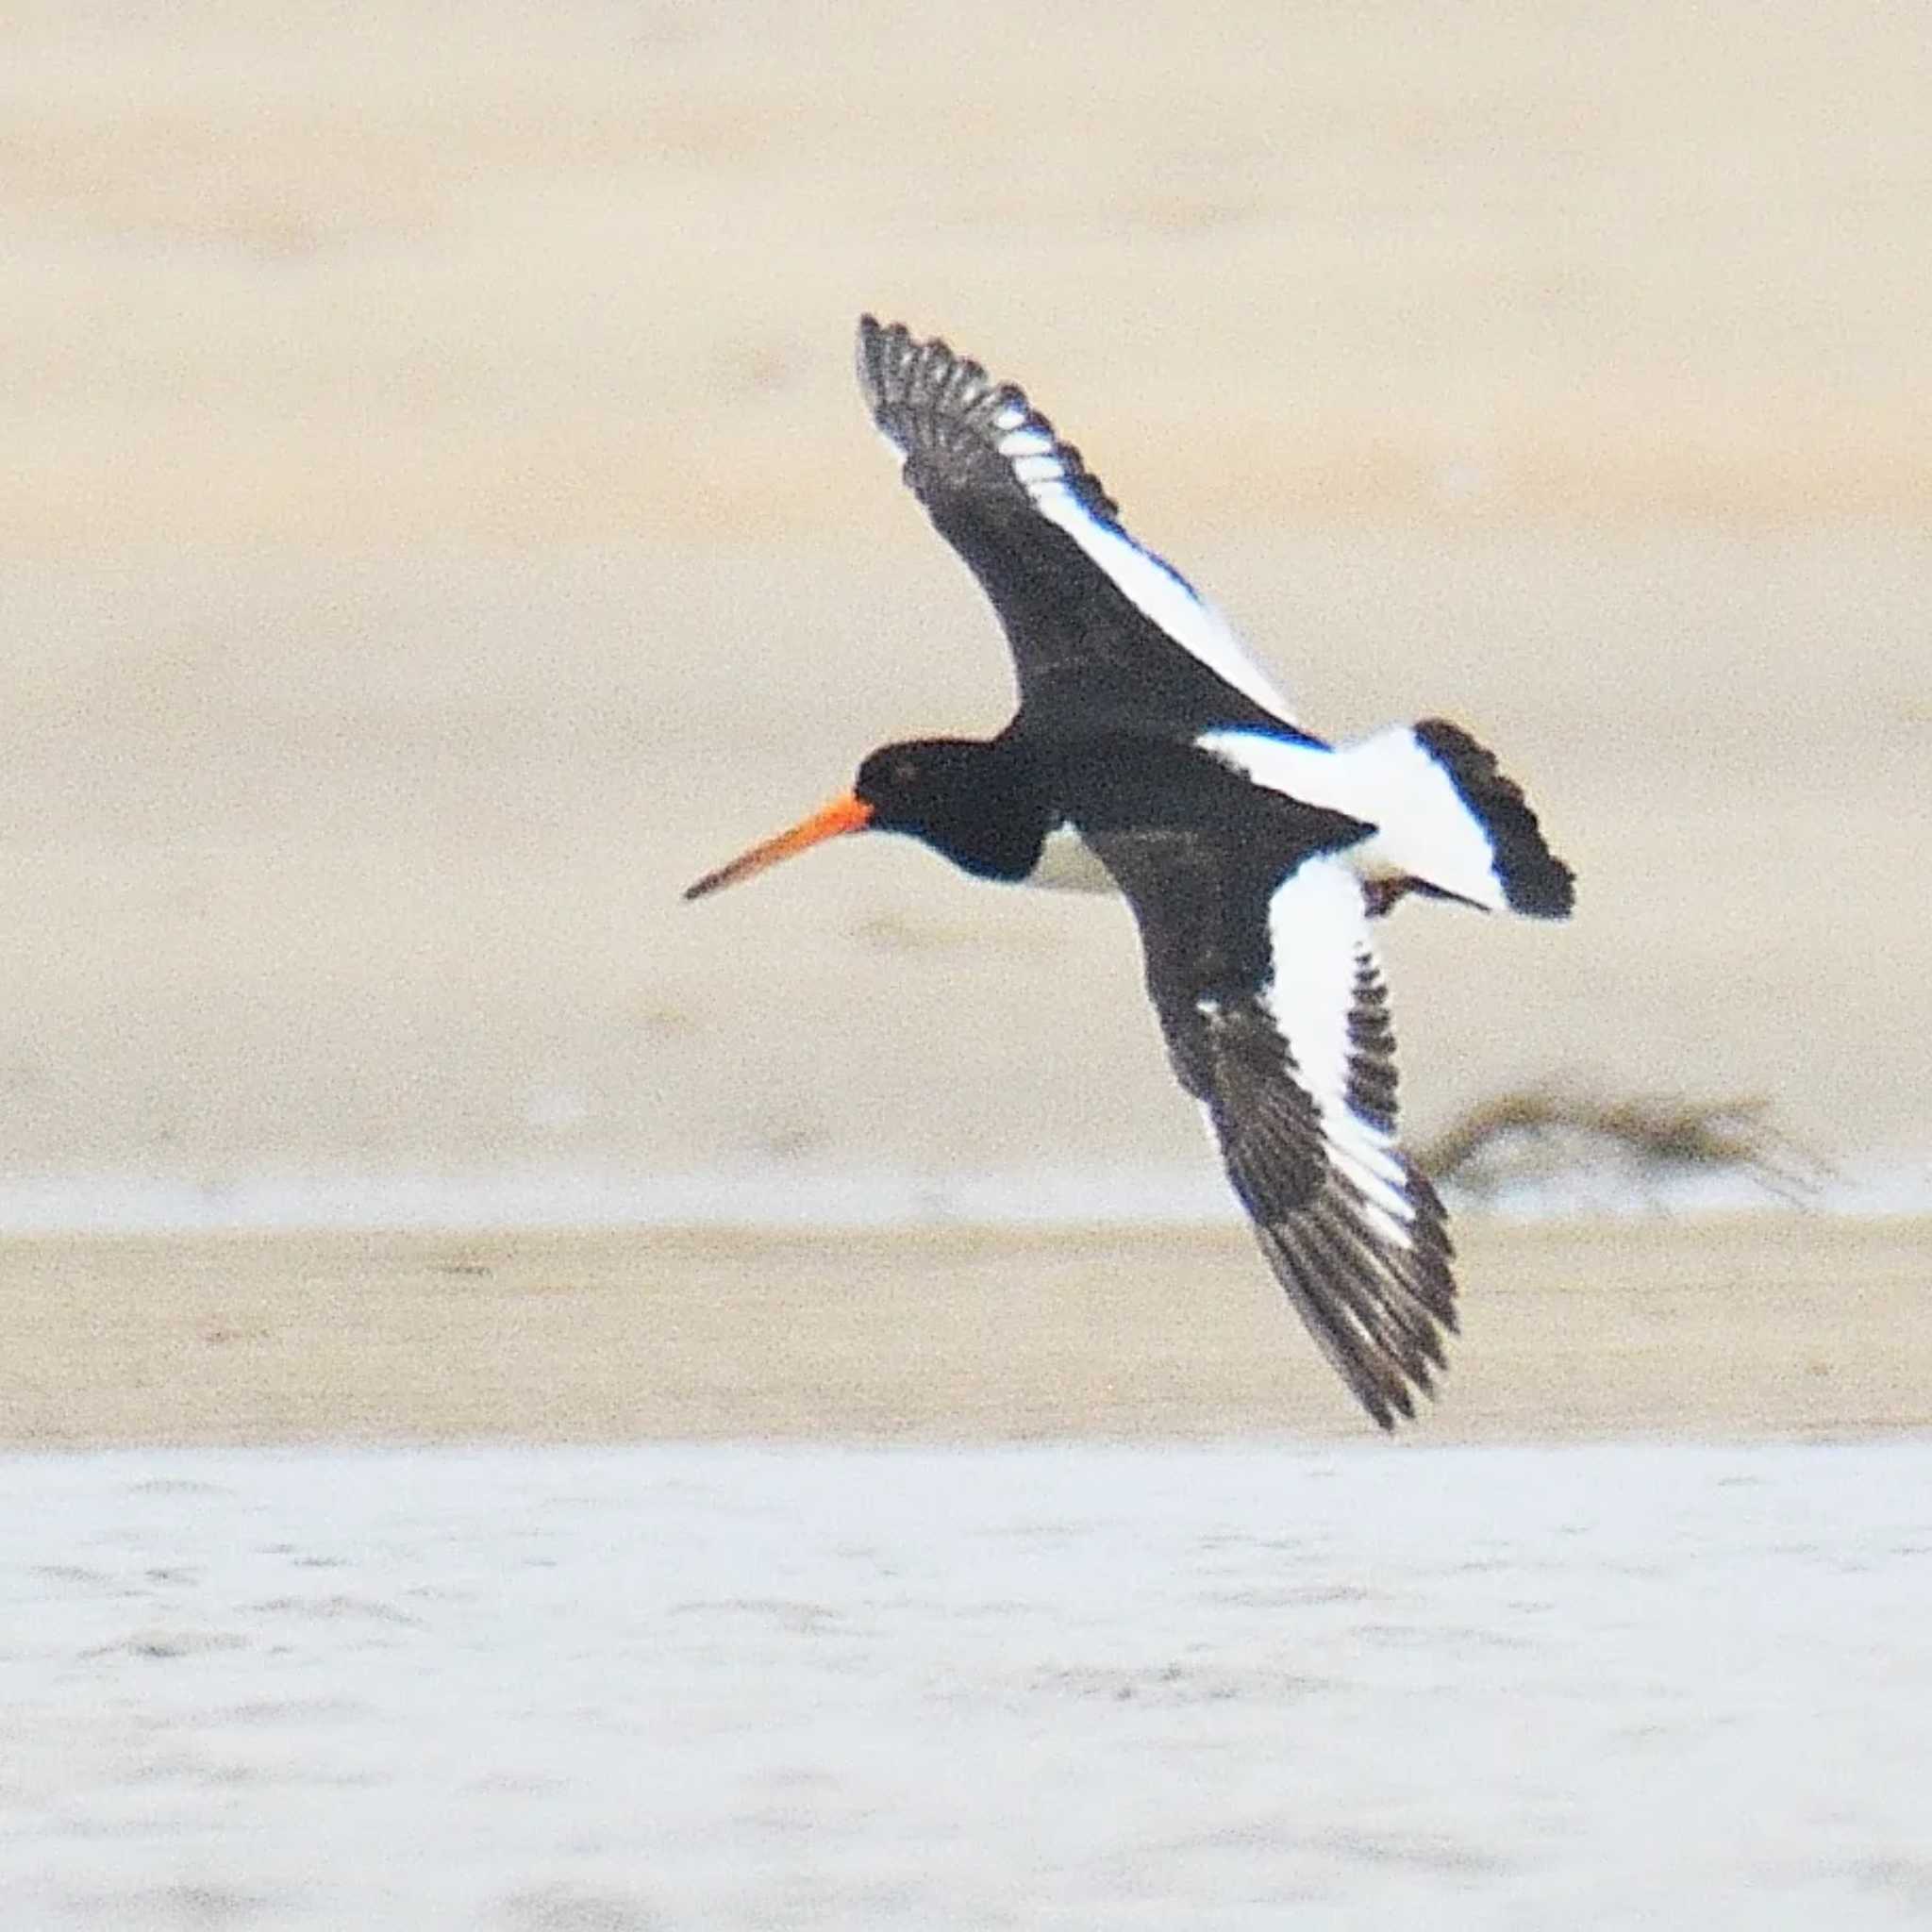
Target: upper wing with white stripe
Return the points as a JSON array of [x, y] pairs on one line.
[[1091, 617], [1277, 1023]]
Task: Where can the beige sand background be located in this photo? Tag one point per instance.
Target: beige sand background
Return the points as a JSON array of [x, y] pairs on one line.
[[437, 522], [1719, 1330]]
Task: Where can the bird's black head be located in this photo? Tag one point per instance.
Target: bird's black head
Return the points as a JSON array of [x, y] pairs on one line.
[[978, 802]]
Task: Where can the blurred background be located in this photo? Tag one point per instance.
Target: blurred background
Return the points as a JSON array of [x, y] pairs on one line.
[[437, 522]]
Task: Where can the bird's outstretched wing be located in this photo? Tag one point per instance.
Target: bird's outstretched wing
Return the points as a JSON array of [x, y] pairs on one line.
[[1277, 1023], [1090, 614]]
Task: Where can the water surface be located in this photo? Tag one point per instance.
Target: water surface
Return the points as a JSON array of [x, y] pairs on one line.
[[1067, 1686]]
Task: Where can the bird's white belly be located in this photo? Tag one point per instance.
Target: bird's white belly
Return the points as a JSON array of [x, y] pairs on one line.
[[1067, 865]]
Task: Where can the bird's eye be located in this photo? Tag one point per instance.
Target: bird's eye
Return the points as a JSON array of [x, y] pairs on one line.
[[904, 770]]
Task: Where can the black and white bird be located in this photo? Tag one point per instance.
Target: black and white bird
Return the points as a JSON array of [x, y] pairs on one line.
[[1151, 754]]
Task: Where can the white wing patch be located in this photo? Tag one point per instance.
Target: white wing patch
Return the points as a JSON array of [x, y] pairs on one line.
[[1154, 588], [1318, 939]]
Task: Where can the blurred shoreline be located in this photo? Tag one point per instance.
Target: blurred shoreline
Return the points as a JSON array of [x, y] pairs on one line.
[[439, 524], [774, 1198]]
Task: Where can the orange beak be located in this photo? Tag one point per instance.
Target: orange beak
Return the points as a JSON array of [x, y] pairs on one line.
[[849, 813]]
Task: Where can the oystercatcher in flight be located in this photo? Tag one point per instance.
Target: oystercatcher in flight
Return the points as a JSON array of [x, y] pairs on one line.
[[1151, 755]]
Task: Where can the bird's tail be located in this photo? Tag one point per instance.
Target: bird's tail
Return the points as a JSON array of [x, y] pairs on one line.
[[1452, 823]]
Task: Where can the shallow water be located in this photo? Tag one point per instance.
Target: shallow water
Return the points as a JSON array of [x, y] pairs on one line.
[[1064, 1687], [780, 1195]]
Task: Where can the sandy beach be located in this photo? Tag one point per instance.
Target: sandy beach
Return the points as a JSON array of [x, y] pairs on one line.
[[1739, 1328], [439, 524]]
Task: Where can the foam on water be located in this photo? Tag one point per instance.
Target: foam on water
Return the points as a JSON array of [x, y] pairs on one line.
[[1102, 1686]]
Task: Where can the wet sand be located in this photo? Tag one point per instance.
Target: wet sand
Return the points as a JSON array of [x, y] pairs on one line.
[[1776, 1325]]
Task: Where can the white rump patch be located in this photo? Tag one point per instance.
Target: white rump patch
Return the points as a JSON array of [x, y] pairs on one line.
[[1422, 828], [1318, 939], [1155, 589]]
